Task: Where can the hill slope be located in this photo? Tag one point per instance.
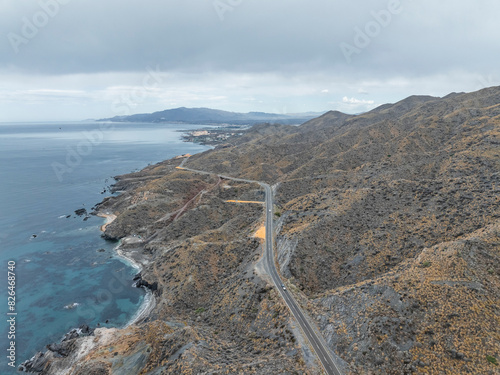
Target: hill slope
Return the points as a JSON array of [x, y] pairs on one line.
[[388, 233], [212, 116]]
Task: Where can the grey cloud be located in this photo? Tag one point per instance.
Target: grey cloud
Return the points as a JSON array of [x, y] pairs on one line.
[[289, 50], [258, 35]]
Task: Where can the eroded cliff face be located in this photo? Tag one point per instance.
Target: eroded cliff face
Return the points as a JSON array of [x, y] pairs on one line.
[[388, 234]]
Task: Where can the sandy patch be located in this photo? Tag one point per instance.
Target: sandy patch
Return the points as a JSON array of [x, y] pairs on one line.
[[183, 156], [261, 233], [109, 219]]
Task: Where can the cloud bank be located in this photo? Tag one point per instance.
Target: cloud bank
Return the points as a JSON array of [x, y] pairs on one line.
[[63, 59]]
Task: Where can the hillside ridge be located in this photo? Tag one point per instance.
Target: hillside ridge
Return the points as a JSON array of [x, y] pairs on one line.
[[387, 233]]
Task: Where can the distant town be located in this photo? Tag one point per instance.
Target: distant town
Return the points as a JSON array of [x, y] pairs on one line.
[[214, 136]]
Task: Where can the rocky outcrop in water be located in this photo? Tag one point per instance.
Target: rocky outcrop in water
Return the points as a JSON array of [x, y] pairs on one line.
[[140, 283], [41, 361]]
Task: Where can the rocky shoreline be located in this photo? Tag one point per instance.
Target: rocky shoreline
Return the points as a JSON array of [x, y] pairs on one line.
[[149, 301], [387, 222], [197, 260], [38, 363], [69, 345]]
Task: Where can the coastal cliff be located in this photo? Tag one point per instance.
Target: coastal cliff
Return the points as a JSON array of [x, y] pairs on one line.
[[389, 236], [213, 310]]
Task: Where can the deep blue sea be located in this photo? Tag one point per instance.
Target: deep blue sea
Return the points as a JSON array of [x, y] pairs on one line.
[[47, 171]]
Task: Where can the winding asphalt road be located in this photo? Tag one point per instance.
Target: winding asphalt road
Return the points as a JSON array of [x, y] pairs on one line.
[[318, 346]]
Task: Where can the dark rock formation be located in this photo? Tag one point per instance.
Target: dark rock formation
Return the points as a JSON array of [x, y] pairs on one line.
[[41, 361], [36, 364], [81, 212], [140, 283]]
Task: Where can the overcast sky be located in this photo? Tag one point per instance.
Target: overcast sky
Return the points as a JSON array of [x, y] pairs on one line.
[[74, 60]]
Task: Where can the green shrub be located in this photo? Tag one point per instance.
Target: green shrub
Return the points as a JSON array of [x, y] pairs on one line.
[[492, 359]]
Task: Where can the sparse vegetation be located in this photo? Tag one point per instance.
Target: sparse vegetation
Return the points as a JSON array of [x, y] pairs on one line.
[[492, 360], [392, 258]]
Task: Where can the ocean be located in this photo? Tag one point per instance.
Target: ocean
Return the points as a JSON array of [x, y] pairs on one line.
[[63, 274]]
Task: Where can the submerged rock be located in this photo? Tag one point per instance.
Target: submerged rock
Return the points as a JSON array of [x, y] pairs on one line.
[[71, 306], [81, 212]]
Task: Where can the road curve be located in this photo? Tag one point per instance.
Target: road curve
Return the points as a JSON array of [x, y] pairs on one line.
[[321, 351]]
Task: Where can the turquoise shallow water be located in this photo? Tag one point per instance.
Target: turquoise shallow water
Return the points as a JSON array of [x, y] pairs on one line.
[[47, 171]]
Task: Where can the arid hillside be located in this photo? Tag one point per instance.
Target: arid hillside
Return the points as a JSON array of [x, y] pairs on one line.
[[365, 199], [387, 232]]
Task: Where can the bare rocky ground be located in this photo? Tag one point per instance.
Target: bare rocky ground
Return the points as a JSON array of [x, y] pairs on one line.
[[213, 313], [388, 232]]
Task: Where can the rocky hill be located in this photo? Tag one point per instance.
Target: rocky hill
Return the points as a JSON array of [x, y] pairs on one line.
[[213, 116], [388, 231]]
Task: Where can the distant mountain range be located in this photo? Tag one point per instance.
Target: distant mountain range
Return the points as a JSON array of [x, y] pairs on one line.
[[214, 116]]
